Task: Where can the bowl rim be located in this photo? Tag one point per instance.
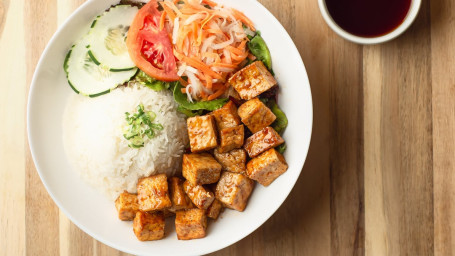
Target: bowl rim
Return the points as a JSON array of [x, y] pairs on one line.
[[407, 22], [32, 146]]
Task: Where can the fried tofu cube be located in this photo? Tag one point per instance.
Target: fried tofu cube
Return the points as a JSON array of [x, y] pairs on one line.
[[178, 196], [214, 209], [200, 168], [126, 205], [256, 115], [190, 224], [149, 226], [152, 193], [233, 190], [261, 141], [233, 161], [267, 167], [168, 212], [199, 195], [226, 116], [202, 133], [252, 80], [231, 138]]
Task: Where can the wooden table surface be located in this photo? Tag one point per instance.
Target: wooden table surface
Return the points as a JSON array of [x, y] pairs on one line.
[[380, 174]]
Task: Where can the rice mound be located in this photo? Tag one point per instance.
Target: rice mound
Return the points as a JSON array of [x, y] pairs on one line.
[[95, 146]]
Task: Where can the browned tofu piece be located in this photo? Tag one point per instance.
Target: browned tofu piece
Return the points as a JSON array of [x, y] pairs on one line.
[[200, 168], [126, 205], [233, 161], [214, 209], [252, 80], [178, 196], [261, 141], [199, 195], [168, 212], [233, 190], [202, 133], [256, 115], [190, 224], [149, 226], [231, 138], [226, 116], [152, 193], [266, 167]]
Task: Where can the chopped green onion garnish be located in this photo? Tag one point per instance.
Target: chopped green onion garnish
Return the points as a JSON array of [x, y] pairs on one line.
[[139, 126]]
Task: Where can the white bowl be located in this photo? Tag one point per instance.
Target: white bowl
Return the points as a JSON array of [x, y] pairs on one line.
[[95, 214], [410, 17]]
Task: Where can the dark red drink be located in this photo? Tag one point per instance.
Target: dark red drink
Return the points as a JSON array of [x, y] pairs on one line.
[[368, 18]]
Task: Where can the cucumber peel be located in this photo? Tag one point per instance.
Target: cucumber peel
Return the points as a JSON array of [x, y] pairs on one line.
[[86, 77], [109, 30]]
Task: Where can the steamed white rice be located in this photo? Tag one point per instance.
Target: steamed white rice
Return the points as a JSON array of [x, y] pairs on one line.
[[95, 146]]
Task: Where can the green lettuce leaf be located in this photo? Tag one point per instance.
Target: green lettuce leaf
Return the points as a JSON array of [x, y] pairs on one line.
[[182, 100], [259, 48], [189, 113], [281, 148], [281, 121], [151, 82]]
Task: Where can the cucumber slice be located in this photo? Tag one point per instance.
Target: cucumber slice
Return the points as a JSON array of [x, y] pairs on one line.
[[86, 77], [108, 49]]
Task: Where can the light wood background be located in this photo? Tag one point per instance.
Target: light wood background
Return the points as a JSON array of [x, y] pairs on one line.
[[380, 173]]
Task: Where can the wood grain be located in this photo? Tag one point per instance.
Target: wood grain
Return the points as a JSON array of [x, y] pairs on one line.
[[41, 217], [379, 178], [398, 146], [12, 140], [375, 221], [443, 104], [346, 145], [4, 4]]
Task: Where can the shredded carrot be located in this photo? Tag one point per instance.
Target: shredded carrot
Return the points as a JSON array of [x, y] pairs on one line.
[[234, 50], [183, 90], [206, 20], [212, 55], [202, 30], [242, 45], [183, 82], [201, 77], [180, 56], [223, 65], [204, 94], [210, 3], [244, 19], [218, 59], [239, 58], [217, 94], [192, 10], [208, 81], [198, 7], [173, 7], [182, 36], [217, 86], [201, 66], [215, 31], [195, 25], [162, 19], [168, 11]]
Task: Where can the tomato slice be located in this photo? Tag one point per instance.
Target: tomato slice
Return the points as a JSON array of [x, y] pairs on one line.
[[149, 47]]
